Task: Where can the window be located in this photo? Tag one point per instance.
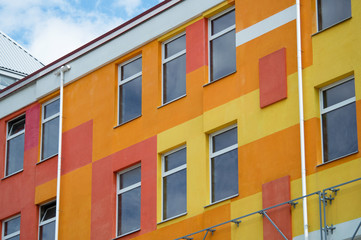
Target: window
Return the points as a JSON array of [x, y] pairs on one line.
[[15, 145], [130, 90], [174, 175], [50, 129], [331, 12], [224, 164], [338, 119], [128, 201], [222, 45], [174, 68], [11, 229], [47, 221]]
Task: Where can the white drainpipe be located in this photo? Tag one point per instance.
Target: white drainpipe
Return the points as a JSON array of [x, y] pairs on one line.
[[302, 128], [60, 72]]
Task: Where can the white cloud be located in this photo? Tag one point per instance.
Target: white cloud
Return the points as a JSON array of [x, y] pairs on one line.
[[51, 29], [131, 6]]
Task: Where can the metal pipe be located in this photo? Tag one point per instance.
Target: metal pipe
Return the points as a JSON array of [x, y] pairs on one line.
[[301, 115], [320, 213], [61, 72], [269, 219]]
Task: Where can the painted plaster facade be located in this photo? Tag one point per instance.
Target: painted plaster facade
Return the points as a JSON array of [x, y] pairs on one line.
[[260, 98]]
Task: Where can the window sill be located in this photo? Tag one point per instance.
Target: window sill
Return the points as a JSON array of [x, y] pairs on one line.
[[45, 159], [172, 218], [128, 233], [222, 200], [121, 124], [322, 30], [8, 176], [205, 85], [336, 159], [174, 100]]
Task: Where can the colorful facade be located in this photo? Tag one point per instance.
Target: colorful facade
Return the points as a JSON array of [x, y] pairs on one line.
[[183, 123]]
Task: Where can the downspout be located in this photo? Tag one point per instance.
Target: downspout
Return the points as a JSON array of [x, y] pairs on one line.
[[301, 114], [60, 72]]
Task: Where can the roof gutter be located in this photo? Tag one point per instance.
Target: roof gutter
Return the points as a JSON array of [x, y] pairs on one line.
[[301, 115], [60, 72]]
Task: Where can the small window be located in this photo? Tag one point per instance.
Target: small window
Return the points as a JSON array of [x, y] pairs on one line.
[[222, 45], [130, 90], [11, 229], [224, 164], [50, 129], [338, 120], [128, 201], [331, 12], [174, 68], [174, 175], [47, 221], [15, 145]]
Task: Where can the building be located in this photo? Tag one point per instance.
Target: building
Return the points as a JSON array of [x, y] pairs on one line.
[[186, 122], [15, 61]]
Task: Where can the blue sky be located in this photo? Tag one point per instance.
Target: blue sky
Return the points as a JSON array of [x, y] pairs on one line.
[[49, 29]]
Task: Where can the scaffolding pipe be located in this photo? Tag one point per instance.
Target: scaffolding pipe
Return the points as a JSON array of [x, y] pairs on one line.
[[60, 72], [302, 129]]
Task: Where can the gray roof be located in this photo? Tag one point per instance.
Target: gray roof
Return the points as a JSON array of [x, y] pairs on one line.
[[14, 58]]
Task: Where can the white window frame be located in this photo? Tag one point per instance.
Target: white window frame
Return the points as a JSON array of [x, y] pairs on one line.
[[121, 82], [8, 138], [215, 154], [44, 121], [126, 189], [17, 233], [212, 37], [166, 60], [170, 172], [42, 223], [331, 108]]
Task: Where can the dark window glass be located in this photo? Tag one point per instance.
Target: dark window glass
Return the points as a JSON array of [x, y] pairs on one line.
[[225, 175], [175, 159], [338, 93], [129, 178], [47, 221], [223, 55], [15, 154], [47, 231], [175, 194], [175, 78], [129, 211], [224, 140], [339, 132], [131, 68], [50, 138], [16, 126], [131, 99], [12, 226], [14, 238], [51, 108], [15, 146], [175, 46], [331, 12], [223, 22]]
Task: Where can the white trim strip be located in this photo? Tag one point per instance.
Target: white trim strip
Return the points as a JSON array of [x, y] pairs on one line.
[[266, 25]]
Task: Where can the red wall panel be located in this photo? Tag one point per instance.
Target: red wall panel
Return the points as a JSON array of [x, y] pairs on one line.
[[273, 78], [32, 127], [103, 213], [197, 45], [275, 192]]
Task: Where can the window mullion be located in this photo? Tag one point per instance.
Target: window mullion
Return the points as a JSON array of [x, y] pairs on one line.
[[230, 28], [120, 191], [174, 56], [174, 170], [224, 150], [130, 78], [338, 105]]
